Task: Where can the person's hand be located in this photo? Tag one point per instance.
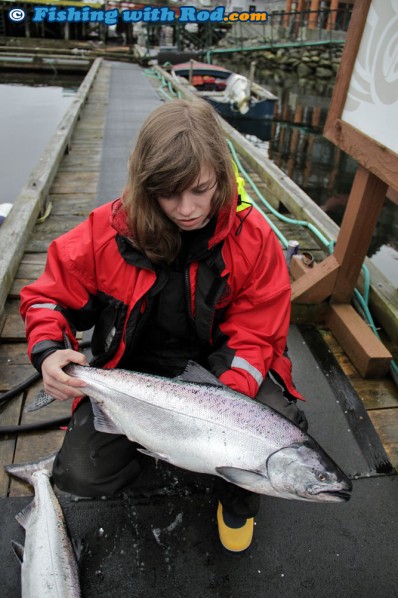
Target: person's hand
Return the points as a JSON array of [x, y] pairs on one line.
[[58, 384]]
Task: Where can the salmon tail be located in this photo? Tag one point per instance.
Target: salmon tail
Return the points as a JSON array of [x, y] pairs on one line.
[[42, 399], [25, 471]]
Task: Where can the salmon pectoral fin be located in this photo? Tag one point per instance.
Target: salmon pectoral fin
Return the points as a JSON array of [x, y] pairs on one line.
[[240, 476], [102, 422]]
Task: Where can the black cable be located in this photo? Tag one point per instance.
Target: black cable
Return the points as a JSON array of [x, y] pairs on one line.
[[55, 423], [10, 394]]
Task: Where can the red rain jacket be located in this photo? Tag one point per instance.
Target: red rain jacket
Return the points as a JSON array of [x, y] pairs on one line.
[[239, 296]]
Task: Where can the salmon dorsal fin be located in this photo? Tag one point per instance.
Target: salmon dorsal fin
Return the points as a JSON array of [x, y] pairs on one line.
[[196, 373]]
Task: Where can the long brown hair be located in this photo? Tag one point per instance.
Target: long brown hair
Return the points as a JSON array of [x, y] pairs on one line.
[[175, 142]]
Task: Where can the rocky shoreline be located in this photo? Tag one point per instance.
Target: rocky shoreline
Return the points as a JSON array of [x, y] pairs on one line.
[[321, 62]]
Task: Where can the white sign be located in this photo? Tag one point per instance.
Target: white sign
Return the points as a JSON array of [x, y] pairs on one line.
[[372, 100]]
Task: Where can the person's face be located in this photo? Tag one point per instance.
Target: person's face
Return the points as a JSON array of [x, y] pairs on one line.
[[190, 209]]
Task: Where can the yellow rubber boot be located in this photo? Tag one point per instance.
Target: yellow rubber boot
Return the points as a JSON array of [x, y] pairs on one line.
[[235, 533]]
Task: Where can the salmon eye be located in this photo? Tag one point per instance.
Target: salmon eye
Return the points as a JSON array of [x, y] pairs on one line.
[[321, 477]]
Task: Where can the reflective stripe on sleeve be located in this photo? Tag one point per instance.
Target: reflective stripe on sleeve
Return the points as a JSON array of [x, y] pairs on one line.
[[45, 305], [239, 362]]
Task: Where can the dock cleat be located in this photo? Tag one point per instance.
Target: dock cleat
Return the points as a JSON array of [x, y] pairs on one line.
[[236, 533]]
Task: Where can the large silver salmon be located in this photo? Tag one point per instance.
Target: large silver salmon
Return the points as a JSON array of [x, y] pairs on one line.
[[197, 423], [48, 562]]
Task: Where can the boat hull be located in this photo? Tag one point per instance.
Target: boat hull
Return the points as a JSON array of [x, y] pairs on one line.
[[228, 92], [260, 110]]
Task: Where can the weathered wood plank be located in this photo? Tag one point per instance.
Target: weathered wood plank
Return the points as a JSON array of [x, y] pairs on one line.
[[331, 341], [13, 330], [68, 185], [80, 164], [12, 374], [58, 224], [386, 423], [297, 233], [39, 244], [347, 366], [391, 449], [12, 307], [19, 283], [84, 198], [77, 208], [33, 445], [13, 354], [17, 226], [9, 415], [377, 394], [68, 209], [30, 270]]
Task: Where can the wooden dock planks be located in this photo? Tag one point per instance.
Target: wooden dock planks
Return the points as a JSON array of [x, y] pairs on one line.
[[379, 396], [73, 196]]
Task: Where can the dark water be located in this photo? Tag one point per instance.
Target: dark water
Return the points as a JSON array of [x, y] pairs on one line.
[[30, 110], [294, 141]]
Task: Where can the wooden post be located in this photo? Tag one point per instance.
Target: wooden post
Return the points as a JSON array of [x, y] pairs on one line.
[[300, 6], [313, 18], [298, 117], [287, 10], [338, 277], [362, 212], [334, 5]]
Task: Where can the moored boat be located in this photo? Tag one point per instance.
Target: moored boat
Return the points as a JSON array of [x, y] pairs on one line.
[[232, 95]]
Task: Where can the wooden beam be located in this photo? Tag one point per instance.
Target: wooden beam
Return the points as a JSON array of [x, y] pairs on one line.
[[368, 152], [318, 284], [298, 268], [365, 350], [360, 218]]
